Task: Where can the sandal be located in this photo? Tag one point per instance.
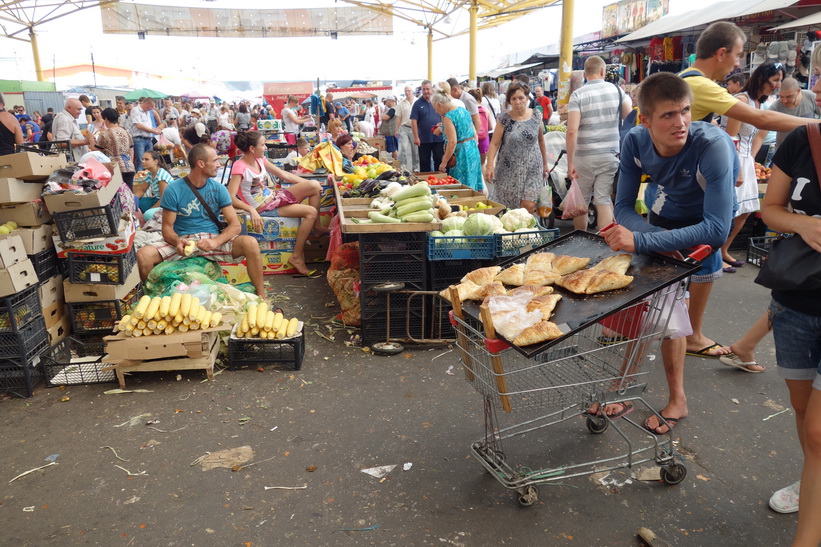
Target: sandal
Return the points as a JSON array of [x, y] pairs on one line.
[[670, 425], [626, 408]]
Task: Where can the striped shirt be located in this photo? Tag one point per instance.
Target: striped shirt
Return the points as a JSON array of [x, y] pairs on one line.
[[598, 103]]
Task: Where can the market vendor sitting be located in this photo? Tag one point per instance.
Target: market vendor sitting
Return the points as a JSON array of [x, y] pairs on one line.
[[347, 146], [335, 129], [190, 222], [249, 191]]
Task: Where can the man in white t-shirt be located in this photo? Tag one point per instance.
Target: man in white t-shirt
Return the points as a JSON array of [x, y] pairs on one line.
[[794, 101], [593, 116], [408, 152], [467, 99]]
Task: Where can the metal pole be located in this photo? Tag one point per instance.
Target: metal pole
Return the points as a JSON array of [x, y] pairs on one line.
[[566, 56], [35, 52], [474, 10], [430, 54]]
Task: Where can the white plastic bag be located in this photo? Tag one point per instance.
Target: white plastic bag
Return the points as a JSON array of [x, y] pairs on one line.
[[510, 315], [544, 203]]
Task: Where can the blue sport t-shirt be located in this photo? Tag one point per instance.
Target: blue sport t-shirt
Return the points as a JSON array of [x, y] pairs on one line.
[[426, 118], [192, 218]]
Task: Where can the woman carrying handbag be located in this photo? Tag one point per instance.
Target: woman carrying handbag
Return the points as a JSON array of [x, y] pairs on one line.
[[793, 205]]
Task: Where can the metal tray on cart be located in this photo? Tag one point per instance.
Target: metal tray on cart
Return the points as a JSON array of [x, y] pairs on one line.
[[651, 272]]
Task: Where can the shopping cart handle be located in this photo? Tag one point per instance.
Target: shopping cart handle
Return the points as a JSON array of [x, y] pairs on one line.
[[609, 226], [697, 254]]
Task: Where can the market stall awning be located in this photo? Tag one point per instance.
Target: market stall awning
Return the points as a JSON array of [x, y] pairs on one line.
[[704, 16], [507, 70], [808, 21]]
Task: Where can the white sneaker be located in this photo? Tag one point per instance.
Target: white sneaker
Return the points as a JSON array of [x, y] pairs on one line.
[[786, 499]]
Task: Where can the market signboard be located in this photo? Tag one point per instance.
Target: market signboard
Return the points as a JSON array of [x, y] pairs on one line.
[[276, 93], [626, 16]]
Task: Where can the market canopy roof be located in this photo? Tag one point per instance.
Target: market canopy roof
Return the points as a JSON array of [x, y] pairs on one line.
[[704, 16], [808, 21], [507, 70]]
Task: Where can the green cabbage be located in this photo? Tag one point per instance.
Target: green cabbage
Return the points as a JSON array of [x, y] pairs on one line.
[[453, 223], [479, 224]]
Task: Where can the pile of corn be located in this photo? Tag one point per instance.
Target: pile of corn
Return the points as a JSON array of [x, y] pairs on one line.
[[180, 312], [260, 322]]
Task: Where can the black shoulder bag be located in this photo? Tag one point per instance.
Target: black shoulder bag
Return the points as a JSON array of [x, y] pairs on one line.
[[220, 224], [791, 264]]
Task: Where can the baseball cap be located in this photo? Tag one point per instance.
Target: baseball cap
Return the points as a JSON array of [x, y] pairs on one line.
[[390, 98], [195, 111], [200, 129]]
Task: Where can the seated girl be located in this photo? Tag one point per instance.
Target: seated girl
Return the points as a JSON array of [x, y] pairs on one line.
[[157, 179], [250, 192]]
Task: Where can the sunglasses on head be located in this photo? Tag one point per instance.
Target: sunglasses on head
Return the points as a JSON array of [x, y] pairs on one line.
[[777, 67]]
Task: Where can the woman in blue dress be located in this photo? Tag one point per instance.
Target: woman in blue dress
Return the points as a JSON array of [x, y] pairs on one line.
[[460, 139]]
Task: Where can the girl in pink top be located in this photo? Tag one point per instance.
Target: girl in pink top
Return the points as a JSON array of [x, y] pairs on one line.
[[250, 192]]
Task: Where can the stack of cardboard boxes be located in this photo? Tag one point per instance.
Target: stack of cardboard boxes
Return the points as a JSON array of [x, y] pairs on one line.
[[30, 311]]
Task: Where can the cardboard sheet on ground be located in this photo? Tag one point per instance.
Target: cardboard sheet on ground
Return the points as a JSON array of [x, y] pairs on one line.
[[229, 458], [379, 472]]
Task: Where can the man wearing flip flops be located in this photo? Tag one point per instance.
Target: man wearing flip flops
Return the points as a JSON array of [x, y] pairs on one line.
[[687, 161]]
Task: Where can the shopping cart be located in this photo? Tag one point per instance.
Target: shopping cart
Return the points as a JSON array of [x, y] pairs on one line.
[[605, 356]]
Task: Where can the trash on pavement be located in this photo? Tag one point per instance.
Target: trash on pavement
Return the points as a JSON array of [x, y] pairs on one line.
[[379, 472]]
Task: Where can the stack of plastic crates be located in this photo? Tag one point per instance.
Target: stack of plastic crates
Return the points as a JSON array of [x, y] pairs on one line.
[[90, 223], [23, 337], [97, 319], [76, 360], [399, 257]]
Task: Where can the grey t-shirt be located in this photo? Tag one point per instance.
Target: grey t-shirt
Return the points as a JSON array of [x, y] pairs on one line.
[[805, 109]]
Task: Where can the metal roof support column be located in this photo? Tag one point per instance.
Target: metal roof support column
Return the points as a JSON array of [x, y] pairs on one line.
[[35, 52], [566, 56], [474, 10], [430, 54]]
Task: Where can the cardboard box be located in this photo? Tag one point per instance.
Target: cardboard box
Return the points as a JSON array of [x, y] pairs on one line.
[[274, 228], [375, 142], [51, 291], [316, 249], [33, 213], [236, 273], [276, 262], [54, 313], [30, 166], [59, 330], [279, 245], [17, 277], [68, 201], [35, 240], [118, 244], [19, 191], [12, 251], [191, 344], [75, 292]]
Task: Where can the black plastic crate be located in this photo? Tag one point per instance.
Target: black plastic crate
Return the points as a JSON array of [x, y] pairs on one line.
[[103, 269], [252, 353], [20, 309], [408, 315], [90, 223], [100, 317], [400, 257], [27, 342], [759, 248], [517, 243], [444, 273], [45, 264], [76, 360], [753, 227], [19, 377]]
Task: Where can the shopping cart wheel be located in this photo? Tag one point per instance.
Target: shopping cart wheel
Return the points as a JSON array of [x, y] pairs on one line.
[[673, 474], [387, 348], [528, 496], [597, 424]]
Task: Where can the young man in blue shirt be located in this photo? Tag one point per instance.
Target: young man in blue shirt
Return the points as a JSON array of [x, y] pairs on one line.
[[184, 220], [695, 166]]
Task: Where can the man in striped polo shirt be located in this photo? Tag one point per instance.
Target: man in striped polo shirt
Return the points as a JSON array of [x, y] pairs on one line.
[[593, 119]]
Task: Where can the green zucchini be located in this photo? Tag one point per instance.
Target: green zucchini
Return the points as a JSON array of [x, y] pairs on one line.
[[418, 189], [379, 217], [421, 216], [412, 207]]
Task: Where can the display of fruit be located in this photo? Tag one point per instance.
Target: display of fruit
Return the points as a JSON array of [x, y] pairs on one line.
[[109, 271], [165, 315], [433, 180], [560, 128], [761, 172], [260, 322], [8, 227], [21, 314]]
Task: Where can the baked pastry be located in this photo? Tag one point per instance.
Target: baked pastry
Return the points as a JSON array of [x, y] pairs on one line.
[[540, 261], [494, 288], [538, 277], [594, 281], [465, 290], [482, 276], [537, 290], [540, 332], [617, 263], [515, 275], [545, 304], [564, 264]]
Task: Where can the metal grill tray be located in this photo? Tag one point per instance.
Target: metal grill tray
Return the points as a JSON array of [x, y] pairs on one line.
[[651, 273]]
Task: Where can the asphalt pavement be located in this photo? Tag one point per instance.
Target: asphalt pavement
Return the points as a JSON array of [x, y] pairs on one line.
[[127, 470]]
